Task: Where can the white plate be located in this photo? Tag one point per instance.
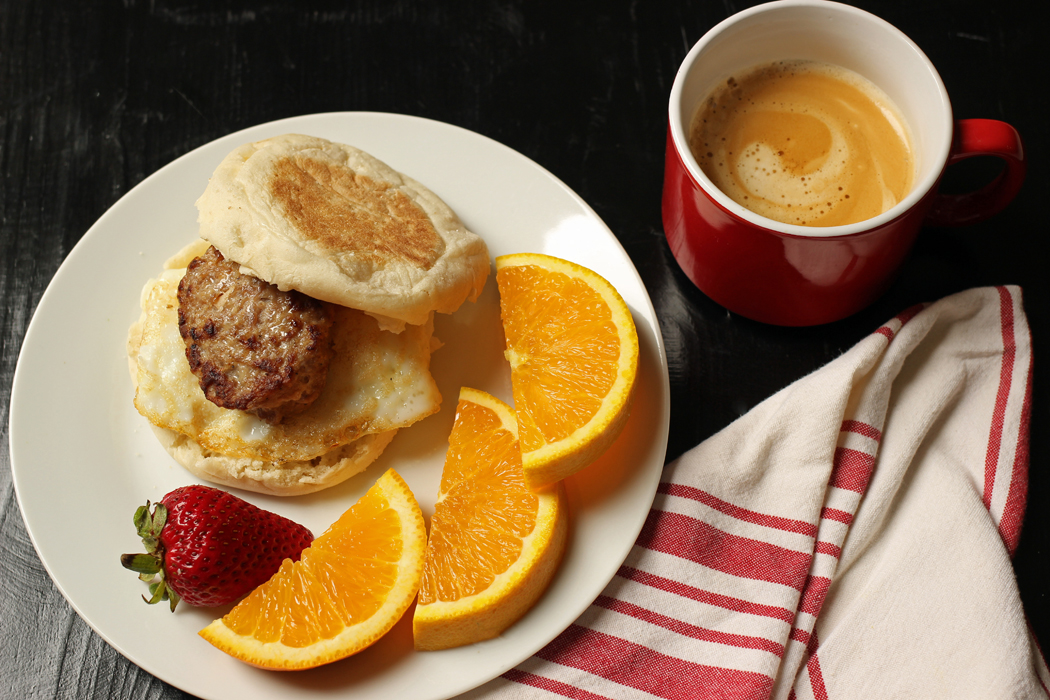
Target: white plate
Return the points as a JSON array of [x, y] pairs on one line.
[[82, 458]]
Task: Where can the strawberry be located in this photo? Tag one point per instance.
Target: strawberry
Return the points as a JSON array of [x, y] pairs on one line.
[[208, 547]]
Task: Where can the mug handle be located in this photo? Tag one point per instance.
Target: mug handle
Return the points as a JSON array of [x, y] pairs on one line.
[[981, 137]]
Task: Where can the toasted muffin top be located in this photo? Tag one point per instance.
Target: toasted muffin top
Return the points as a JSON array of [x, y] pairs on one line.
[[339, 225]]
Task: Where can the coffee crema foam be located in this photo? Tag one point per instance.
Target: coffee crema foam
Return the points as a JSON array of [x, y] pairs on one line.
[[806, 143]]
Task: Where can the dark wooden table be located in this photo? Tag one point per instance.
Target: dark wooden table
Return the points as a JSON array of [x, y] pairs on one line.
[[95, 96]]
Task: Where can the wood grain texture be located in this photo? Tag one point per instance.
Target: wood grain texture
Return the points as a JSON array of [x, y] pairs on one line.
[[95, 96]]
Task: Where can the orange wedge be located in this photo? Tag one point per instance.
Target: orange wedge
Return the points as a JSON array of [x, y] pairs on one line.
[[494, 545], [347, 590], [573, 352]]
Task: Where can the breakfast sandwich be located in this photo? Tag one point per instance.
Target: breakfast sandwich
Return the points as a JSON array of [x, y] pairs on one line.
[[282, 351]]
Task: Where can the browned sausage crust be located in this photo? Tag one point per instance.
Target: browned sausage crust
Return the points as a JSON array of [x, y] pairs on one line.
[[252, 347]]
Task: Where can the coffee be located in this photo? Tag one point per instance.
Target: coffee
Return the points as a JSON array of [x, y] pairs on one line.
[[805, 143]]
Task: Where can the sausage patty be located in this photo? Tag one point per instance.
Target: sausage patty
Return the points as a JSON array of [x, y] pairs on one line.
[[252, 347]]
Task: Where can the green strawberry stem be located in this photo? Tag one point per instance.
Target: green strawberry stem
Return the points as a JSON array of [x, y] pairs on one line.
[[150, 566], [141, 563]]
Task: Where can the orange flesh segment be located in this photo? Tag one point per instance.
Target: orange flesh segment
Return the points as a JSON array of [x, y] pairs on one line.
[[568, 351], [326, 591], [484, 511]]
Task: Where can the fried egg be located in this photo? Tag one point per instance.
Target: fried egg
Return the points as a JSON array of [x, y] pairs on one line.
[[377, 382]]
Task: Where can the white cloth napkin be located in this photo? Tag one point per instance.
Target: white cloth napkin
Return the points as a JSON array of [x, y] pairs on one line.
[[850, 537]]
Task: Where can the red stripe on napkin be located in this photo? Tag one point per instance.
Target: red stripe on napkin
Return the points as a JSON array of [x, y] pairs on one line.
[[813, 594], [699, 542], [856, 426], [636, 666], [702, 596], [1013, 512], [852, 469], [837, 515], [910, 313], [816, 677], [830, 549], [749, 516], [991, 460], [551, 686], [902, 318], [685, 629]]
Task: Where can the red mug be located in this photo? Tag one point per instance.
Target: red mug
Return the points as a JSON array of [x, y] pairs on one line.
[[793, 275]]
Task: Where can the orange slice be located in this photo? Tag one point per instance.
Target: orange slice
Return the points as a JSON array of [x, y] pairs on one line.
[[346, 591], [494, 545], [573, 352]]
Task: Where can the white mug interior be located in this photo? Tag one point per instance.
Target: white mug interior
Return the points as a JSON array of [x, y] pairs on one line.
[[832, 33]]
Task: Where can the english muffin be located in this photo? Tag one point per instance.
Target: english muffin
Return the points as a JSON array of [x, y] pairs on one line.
[[339, 225]]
